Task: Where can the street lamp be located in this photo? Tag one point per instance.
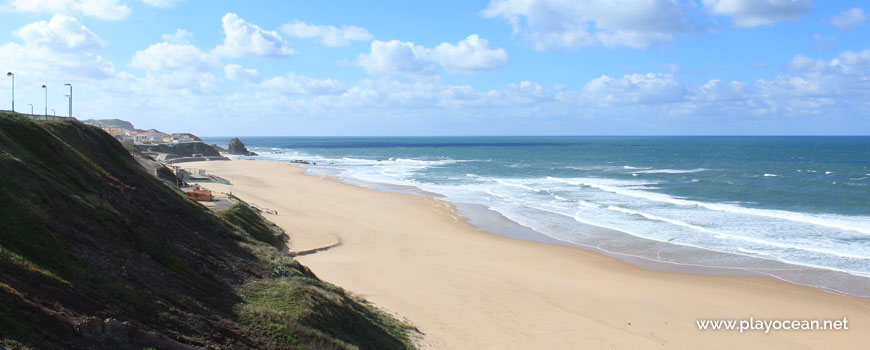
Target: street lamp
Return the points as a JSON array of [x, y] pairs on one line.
[[12, 75], [70, 99], [31, 108], [46, 99], [53, 112]]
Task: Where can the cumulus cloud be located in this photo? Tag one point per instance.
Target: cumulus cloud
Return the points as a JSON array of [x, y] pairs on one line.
[[59, 47], [468, 56], [570, 24], [296, 84], [327, 35], [753, 13], [62, 33], [819, 86], [717, 90], [162, 3], [239, 73], [395, 57], [850, 19], [163, 56], [102, 9], [175, 65], [243, 39], [856, 64], [650, 88]]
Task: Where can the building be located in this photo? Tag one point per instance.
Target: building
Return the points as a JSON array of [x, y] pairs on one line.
[[200, 194]]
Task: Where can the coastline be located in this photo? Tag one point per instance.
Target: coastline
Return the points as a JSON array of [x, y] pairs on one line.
[[484, 290]]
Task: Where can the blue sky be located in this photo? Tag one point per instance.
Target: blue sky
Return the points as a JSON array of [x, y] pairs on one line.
[[500, 67]]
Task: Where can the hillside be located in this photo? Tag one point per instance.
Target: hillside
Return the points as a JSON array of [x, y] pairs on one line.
[[110, 123], [183, 149], [97, 254]]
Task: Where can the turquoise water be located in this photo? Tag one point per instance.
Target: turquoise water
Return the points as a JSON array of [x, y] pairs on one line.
[[796, 208]]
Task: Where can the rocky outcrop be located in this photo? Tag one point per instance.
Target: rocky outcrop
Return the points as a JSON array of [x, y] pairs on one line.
[[236, 147]]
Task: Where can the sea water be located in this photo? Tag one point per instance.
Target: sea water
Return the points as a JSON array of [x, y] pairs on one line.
[[795, 208]]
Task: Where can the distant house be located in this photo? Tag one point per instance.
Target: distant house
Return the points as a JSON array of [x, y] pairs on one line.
[[182, 138], [141, 138], [156, 136]]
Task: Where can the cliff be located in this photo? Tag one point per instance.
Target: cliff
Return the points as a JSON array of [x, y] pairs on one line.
[[110, 123], [97, 254]]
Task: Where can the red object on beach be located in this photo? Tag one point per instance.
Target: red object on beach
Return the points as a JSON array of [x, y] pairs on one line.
[[200, 194]]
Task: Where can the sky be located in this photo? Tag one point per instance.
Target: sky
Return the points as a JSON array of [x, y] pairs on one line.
[[415, 68]]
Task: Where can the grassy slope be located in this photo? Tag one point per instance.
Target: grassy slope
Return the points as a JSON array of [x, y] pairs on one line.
[[86, 236]]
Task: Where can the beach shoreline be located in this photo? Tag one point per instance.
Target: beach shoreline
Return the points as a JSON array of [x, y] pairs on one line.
[[491, 220], [485, 290]]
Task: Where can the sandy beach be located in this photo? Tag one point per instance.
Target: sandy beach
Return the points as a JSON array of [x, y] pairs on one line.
[[464, 288]]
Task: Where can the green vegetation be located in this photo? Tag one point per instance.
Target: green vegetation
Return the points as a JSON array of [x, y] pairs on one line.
[[250, 221], [96, 253]]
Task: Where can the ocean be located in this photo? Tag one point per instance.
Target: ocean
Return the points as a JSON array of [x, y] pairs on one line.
[[793, 208]]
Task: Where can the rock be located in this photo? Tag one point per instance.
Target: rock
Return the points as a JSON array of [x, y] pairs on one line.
[[108, 330], [238, 148]]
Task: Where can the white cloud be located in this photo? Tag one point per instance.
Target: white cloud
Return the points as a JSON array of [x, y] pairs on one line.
[[327, 35], [570, 24], [60, 47], [243, 39], [180, 36], [102, 9], [717, 90], [855, 64], [650, 88], [468, 56], [526, 93], [753, 13], [162, 3], [296, 84], [819, 86], [395, 57], [174, 67], [239, 73], [804, 63], [163, 56], [62, 32], [850, 19]]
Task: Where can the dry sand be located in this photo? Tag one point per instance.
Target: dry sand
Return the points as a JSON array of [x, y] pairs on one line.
[[468, 289]]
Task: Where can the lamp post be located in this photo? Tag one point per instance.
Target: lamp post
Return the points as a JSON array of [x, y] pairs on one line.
[[70, 99], [46, 99], [31, 108], [53, 112], [12, 75]]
